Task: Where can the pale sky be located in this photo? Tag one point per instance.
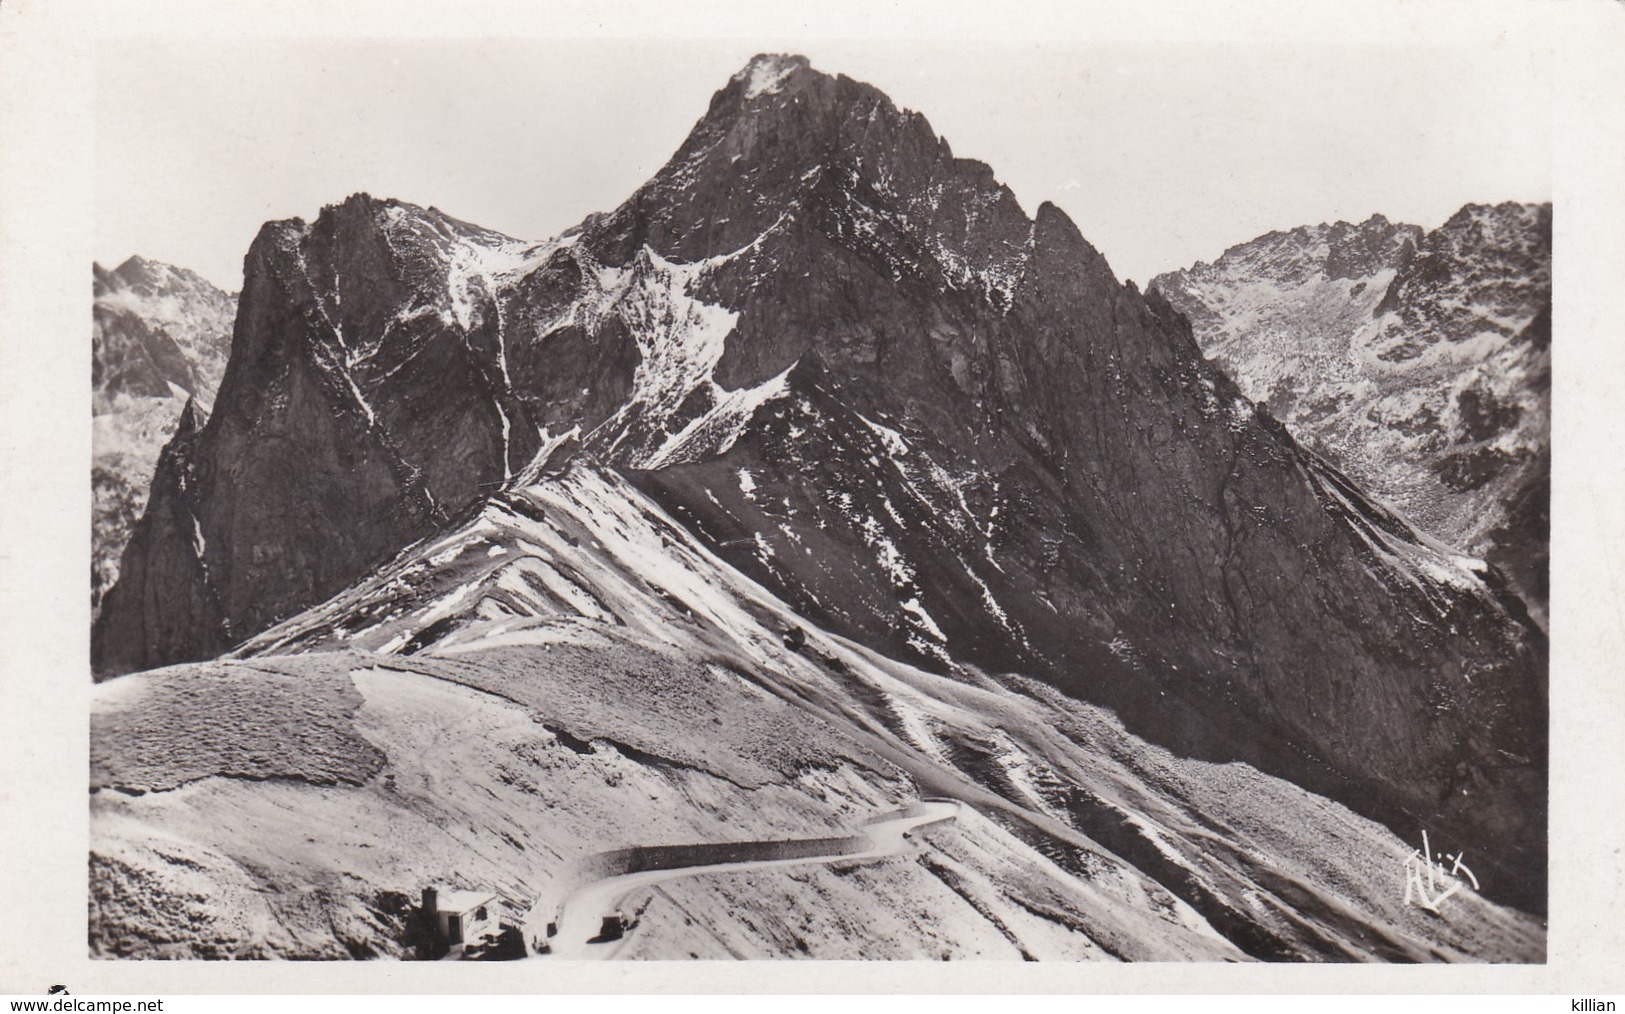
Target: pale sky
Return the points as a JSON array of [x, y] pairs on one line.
[[1163, 154]]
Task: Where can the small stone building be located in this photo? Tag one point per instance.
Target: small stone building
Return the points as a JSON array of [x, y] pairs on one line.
[[461, 917]]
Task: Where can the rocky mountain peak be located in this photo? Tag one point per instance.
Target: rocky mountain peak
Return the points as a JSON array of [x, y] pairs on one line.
[[152, 282], [147, 278], [190, 420], [782, 141], [1358, 251], [158, 329], [769, 73], [1330, 251]]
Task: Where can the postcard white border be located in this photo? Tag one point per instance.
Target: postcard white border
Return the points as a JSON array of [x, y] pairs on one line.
[[47, 75]]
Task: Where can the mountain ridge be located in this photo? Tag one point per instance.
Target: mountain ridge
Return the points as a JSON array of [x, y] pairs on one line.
[[1424, 372], [824, 327]]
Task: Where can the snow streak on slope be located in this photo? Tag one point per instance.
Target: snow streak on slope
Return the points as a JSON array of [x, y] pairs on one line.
[[681, 339], [676, 410], [1426, 563], [478, 262], [584, 545], [715, 432]]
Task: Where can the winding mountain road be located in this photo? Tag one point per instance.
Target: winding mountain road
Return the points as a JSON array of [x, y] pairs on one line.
[[580, 917]]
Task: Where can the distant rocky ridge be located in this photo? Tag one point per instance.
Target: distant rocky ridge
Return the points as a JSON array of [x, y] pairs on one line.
[[160, 335], [854, 367], [1417, 361]]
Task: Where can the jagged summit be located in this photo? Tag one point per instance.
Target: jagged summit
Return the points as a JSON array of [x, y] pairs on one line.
[[159, 332], [1337, 249], [766, 73], [147, 279], [810, 139], [1501, 210], [362, 210]]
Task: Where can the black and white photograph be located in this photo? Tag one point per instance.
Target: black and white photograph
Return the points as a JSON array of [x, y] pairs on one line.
[[608, 494]]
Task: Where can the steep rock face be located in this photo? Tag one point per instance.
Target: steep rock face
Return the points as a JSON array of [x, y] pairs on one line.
[[365, 402], [159, 336], [162, 597], [856, 368], [1418, 361]]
